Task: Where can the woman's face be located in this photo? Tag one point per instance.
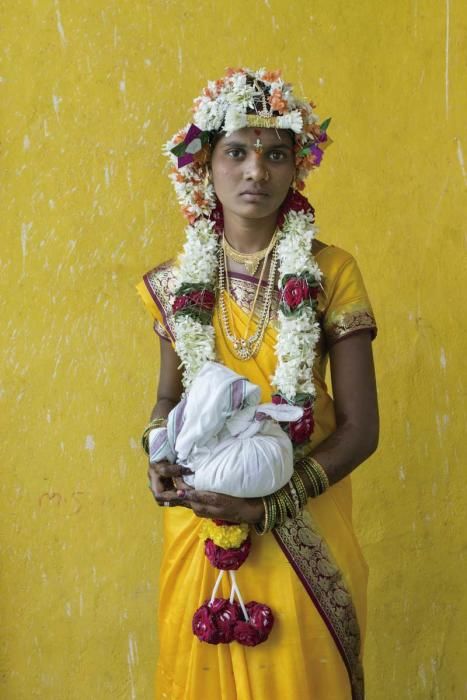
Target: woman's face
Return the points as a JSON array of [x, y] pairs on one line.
[[252, 170]]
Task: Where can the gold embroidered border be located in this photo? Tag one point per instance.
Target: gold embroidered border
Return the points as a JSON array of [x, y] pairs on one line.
[[163, 283], [356, 317], [243, 293], [310, 555], [160, 330]]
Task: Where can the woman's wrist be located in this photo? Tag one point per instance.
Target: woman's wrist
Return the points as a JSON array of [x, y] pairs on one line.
[[152, 425]]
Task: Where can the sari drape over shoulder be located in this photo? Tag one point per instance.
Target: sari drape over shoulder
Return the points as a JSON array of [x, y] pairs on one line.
[[310, 571]]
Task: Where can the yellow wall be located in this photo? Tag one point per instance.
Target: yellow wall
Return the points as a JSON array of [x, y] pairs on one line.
[[89, 91]]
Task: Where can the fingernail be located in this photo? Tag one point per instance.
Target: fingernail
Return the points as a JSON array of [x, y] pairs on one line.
[[181, 493], [185, 470]]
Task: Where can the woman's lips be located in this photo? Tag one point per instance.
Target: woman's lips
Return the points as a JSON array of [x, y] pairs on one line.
[[253, 196]]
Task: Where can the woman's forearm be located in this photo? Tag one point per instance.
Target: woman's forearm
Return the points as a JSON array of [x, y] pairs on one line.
[[162, 408], [346, 448]]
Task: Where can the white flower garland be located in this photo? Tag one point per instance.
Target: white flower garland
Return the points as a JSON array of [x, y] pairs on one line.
[[298, 334]]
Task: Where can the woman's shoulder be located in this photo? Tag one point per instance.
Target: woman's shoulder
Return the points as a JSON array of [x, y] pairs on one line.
[[162, 277], [162, 269], [330, 258]]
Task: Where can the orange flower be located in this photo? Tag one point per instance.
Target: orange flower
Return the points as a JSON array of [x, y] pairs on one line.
[[234, 71], [272, 75], [277, 101], [199, 199], [189, 215]]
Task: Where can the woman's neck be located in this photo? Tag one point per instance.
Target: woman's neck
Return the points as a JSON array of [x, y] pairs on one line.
[[249, 235]]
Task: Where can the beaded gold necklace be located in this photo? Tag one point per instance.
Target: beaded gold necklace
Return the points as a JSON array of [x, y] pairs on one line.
[[247, 347]]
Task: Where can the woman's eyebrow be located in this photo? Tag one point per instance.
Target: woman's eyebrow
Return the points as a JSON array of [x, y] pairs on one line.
[[242, 144]]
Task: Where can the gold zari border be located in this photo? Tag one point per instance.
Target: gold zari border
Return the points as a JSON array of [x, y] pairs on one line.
[[310, 556]]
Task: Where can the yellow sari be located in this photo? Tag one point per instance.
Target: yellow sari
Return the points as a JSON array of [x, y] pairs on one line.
[[310, 571]]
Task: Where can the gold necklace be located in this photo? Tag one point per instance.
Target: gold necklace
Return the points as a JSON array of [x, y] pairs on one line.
[[246, 348], [250, 261]]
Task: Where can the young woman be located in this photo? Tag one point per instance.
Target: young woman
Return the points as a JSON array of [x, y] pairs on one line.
[[257, 291]]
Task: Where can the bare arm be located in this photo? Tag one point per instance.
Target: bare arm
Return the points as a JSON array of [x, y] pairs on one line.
[[356, 406], [170, 386]]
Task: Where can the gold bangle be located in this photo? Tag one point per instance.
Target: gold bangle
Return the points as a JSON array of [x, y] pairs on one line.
[[294, 495], [270, 515], [312, 478], [316, 474], [155, 423], [300, 486], [263, 527], [281, 507], [321, 473], [292, 510]]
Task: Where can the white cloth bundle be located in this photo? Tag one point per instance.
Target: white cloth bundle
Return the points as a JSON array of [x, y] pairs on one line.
[[231, 442]]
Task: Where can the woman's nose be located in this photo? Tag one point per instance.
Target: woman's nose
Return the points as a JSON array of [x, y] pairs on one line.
[[255, 168]]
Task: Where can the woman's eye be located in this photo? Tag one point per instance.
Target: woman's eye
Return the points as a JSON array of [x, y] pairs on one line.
[[235, 153], [277, 155]]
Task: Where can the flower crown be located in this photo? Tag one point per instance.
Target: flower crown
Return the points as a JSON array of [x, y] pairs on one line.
[[243, 98]]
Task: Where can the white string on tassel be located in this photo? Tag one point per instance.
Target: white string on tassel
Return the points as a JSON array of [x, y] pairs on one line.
[[236, 590], [216, 586]]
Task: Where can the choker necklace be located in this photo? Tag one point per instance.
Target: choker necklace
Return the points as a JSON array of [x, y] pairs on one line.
[[250, 261]]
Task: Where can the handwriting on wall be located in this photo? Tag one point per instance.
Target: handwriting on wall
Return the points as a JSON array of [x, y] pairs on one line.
[[71, 504]]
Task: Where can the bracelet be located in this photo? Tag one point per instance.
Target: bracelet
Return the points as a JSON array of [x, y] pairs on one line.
[[297, 482], [294, 495], [270, 514], [155, 423], [292, 510], [316, 474]]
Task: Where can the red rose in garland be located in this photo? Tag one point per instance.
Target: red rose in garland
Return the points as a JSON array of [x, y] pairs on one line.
[[295, 292]]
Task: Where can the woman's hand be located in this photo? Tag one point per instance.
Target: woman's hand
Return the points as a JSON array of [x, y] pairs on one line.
[[163, 481], [169, 489], [206, 504]]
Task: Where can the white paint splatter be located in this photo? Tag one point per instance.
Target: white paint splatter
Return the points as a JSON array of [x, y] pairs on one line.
[[68, 609], [25, 228], [148, 61], [89, 443], [26, 143], [51, 204], [56, 103], [48, 416], [180, 59], [460, 158], [107, 176], [402, 473], [321, 81], [442, 359], [133, 444], [60, 29], [122, 84], [132, 660], [446, 71]]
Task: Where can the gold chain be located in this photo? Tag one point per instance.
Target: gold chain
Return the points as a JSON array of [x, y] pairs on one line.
[[246, 348], [250, 261]]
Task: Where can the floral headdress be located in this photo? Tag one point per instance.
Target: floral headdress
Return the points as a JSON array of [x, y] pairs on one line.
[[249, 98]]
